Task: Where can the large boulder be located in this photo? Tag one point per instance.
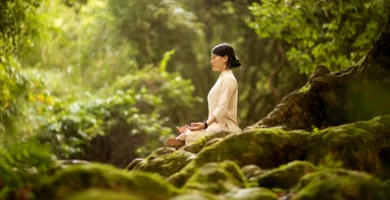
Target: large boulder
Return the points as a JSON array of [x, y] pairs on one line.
[[77, 178], [198, 195], [217, 178], [92, 194], [363, 145], [267, 148], [197, 146], [163, 161], [251, 194], [285, 176], [339, 184]]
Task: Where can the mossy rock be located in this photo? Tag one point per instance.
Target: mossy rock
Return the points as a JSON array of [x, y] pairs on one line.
[[198, 195], [67, 163], [217, 178], [267, 148], [362, 146], [197, 146], [73, 179], [93, 194], [339, 184], [251, 172], [134, 163], [285, 176], [251, 194], [164, 164]]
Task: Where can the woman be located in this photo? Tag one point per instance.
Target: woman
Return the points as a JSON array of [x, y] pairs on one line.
[[222, 100]]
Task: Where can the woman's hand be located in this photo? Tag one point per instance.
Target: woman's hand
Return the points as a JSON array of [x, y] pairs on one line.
[[183, 129], [197, 126]]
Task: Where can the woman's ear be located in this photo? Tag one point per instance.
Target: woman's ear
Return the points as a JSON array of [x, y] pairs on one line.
[[225, 58]]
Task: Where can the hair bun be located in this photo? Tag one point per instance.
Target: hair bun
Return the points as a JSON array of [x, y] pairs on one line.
[[236, 63]]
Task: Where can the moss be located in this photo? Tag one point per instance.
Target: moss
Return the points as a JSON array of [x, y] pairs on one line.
[[339, 184], [166, 164], [251, 194], [160, 152], [217, 178], [195, 195], [197, 146], [93, 194], [251, 171], [266, 148], [77, 178], [305, 88], [362, 145], [285, 176]]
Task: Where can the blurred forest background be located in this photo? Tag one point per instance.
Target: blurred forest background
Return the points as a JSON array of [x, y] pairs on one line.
[[108, 80]]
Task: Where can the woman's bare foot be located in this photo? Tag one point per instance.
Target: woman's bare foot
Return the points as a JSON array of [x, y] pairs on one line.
[[173, 142]]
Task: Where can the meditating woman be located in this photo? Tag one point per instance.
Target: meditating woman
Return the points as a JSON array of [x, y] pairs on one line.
[[222, 100]]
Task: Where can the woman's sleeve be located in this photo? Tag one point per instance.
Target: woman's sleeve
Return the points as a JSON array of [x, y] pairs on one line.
[[228, 87]]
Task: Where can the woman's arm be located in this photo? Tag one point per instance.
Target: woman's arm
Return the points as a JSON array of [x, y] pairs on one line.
[[228, 87], [200, 125]]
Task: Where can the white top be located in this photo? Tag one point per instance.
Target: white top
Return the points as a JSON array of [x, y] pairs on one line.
[[222, 102]]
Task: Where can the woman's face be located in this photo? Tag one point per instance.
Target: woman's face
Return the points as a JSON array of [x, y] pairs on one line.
[[218, 62]]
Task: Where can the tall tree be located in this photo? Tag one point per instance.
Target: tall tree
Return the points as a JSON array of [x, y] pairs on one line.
[[359, 92]]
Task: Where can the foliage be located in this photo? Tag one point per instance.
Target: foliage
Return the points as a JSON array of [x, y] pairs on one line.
[[78, 122], [12, 91], [18, 25], [24, 164], [81, 44], [175, 92], [19, 22], [334, 33], [135, 105], [155, 27]]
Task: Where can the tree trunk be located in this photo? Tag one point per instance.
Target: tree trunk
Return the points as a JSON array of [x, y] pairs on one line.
[[359, 92]]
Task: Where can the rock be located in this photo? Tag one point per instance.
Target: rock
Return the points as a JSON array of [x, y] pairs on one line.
[[134, 163], [200, 144], [339, 184], [165, 164], [73, 179], [67, 163], [217, 178], [362, 146], [213, 141], [266, 148], [195, 195], [251, 171], [92, 194], [285, 176], [162, 151], [251, 194]]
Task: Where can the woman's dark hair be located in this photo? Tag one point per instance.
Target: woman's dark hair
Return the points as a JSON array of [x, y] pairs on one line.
[[225, 49]]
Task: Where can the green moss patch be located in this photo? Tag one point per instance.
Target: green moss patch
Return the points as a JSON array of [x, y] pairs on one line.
[[361, 145], [93, 194], [266, 148], [251, 194], [166, 164], [339, 184], [285, 176], [77, 178], [217, 178]]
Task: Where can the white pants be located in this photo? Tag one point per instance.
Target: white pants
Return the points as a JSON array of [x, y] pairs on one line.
[[193, 136]]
